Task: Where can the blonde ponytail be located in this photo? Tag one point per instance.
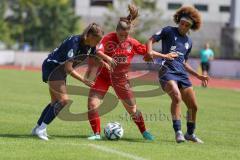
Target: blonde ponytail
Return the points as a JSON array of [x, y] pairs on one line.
[[125, 23]]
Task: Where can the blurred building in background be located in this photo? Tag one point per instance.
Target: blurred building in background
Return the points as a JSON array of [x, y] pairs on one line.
[[230, 36], [215, 14], [212, 11], [221, 27]]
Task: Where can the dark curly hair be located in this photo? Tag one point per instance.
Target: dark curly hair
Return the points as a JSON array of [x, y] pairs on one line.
[[189, 12]]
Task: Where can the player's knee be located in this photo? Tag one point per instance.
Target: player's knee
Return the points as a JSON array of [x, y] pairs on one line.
[[195, 108], [92, 104], [176, 98], [131, 109], [64, 102]]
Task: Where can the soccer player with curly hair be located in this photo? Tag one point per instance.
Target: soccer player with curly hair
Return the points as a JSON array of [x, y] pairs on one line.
[[173, 75]]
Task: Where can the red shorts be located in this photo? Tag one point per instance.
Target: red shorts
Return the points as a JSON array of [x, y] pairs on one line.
[[120, 85]]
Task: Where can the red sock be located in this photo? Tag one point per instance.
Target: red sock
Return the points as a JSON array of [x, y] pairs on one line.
[[94, 120], [139, 121]]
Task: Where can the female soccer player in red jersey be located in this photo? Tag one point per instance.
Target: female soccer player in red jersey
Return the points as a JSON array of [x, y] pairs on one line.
[[117, 49]]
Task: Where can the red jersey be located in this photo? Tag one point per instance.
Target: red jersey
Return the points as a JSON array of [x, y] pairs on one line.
[[122, 52]]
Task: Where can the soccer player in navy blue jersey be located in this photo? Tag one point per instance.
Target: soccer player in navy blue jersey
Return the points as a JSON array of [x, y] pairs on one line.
[[173, 75], [57, 65]]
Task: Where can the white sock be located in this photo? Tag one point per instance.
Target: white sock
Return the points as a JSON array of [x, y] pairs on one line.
[[43, 126]]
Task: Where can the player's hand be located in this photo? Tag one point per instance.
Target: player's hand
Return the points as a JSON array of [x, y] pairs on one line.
[[148, 58], [112, 62], [204, 80], [88, 82], [106, 65], [171, 56]]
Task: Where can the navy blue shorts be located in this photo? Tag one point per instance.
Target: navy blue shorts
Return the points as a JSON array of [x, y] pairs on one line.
[[205, 66], [182, 80], [52, 72]]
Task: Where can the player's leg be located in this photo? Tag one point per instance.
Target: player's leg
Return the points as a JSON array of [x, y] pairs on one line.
[[137, 117], [59, 99], [39, 122], [125, 94], [45, 110], [47, 69], [94, 101], [189, 98], [96, 94], [171, 87], [205, 69]]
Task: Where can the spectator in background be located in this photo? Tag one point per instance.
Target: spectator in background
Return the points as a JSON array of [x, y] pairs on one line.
[[206, 55]]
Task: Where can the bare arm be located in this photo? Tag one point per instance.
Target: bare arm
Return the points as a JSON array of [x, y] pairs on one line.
[[191, 70], [203, 78], [150, 42], [169, 56], [93, 64], [154, 54], [211, 58], [70, 70], [107, 58]]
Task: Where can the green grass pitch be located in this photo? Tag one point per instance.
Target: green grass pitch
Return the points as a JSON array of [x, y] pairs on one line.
[[23, 97]]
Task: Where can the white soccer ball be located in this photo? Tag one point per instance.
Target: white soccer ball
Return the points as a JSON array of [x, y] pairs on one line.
[[113, 131]]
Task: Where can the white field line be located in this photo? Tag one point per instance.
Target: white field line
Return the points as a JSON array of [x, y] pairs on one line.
[[117, 152]]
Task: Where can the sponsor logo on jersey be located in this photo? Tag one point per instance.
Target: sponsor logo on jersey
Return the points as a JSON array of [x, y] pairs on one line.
[[120, 58]]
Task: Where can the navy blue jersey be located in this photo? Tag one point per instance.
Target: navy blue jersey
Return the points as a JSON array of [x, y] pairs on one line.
[[173, 41], [72, 48]]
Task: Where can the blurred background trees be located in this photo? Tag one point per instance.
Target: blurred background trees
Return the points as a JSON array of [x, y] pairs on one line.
[[41, 24], [149, 18]]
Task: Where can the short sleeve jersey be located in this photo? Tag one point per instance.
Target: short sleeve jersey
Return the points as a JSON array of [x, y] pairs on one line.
[[173, 41], [122, 52], [71, 48], [205, 54]]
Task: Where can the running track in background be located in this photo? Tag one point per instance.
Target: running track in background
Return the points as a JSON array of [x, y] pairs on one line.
[[213, 83]]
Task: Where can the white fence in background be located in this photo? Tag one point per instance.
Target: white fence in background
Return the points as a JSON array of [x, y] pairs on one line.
[[219, 68]]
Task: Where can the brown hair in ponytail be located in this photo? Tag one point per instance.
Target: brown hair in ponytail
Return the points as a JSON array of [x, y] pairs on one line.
[[125, 23], [93, 29]]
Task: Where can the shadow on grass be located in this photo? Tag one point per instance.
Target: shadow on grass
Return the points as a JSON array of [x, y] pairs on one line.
[[10, 135], [52, 137]]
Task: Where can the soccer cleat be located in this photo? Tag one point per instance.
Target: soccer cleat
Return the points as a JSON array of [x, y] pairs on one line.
[[147, 136], [179, 137], [95, 137], [42, 134], [193, 138], [34, 130]]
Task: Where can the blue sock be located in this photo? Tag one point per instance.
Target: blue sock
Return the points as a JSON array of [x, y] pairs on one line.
[[44, 112], [52, 112], [190, 127], [176, 125]]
